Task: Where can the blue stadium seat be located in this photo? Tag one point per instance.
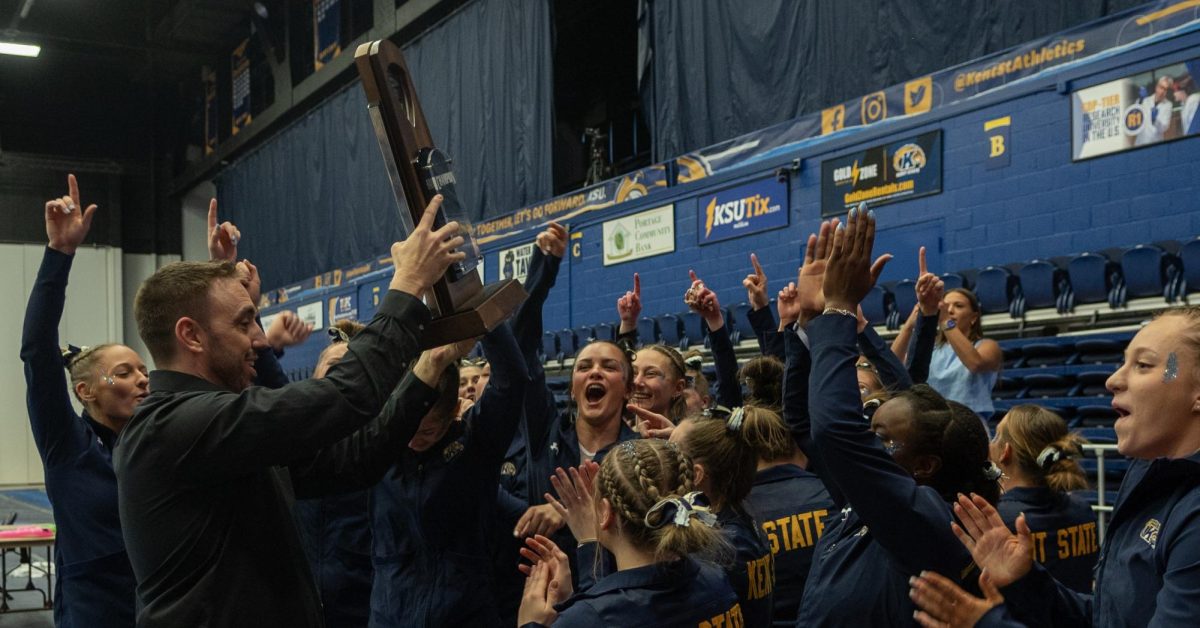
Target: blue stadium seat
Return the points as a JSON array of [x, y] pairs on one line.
[[583, 335], [1046, 353], [567, 343], [1092, 383], [954, 281], [647, 330], [671, 330], [1096, 414], [1045, 285], [905, 297], [1041, 385], [876, 306], [1099, 351], [998, 291], [1008, 388], [605, 331], [1190, 256], [1099, 435], [1095, 279], [1150, 271], [549, 346], [693, 328], [739, 323]]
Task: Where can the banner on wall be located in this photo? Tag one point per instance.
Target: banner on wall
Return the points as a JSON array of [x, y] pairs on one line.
[[240, 64], [1126, 30], [1138, 110], [603, 195], [327, 25], [209, 79], [640, 235], [514, 263], [899, 171], [750, 208], [311, 313], [343, 307]]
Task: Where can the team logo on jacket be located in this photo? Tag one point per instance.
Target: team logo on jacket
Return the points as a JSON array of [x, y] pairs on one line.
[[508, 468], [1150, 532], [451, 451]]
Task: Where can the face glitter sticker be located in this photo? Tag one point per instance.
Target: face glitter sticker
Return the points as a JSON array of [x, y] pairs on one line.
[[1172, 370]]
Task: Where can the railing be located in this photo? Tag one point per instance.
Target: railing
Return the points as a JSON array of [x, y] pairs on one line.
[[1102, 508]]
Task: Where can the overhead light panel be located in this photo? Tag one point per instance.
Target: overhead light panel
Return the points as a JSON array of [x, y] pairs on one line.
[[20, 50]]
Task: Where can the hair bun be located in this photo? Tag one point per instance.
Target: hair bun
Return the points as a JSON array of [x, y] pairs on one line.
[[69, 353], [680, 510]]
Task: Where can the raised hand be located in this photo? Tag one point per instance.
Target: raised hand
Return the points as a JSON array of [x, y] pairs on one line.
[[537, 602], [67, 224], [541, 550], [651, 424], [574, 503], [850, 273], [629, 306], [787, 303], [553, 240], [247, 273], [756, 286], [944, 604], [222, 238], [930, 289], [1005, 556], [810, 299], [287, 330], [426, 253], [704, 302]]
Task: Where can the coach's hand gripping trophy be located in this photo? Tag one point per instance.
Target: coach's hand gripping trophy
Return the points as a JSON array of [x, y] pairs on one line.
[[462, 306]]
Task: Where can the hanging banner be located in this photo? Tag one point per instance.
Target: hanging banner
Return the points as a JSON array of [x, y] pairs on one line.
[[750, 208], [564, 208], [644, 234], [1123, 31], [240, 65], [327, 26], [898, 171], [1138, 110], [209, 78], [514, 263]]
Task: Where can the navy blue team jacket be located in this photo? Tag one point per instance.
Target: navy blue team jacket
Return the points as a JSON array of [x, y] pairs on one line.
[[752, 572], [895, 528], [1149, 568], [1065, 538], [433, 514], [679, 593], [791, 506], [96, 585]]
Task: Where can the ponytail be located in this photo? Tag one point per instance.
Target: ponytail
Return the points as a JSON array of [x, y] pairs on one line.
[[770, 438], [729, 459], [1044, 450]]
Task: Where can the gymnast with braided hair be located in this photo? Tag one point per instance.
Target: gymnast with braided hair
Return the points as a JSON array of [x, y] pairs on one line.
[[641, 505]]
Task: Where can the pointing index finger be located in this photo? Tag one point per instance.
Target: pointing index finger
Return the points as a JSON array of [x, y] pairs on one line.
[[73, 186], [435, 204], [637, 285], [212, 216], [757, 268], [921, 262]]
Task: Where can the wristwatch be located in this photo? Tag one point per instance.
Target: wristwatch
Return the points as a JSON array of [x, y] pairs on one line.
[[951, 324]]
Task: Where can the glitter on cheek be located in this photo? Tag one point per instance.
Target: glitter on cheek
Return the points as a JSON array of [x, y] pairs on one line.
[[1172, 369]]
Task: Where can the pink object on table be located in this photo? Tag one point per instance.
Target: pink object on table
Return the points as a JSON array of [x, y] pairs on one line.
[[25, 532]]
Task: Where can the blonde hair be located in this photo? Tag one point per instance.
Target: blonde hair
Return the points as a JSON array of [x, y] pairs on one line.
[[722, 447], [81, 364], [767, 434], [678, 408], [1045, 451], [639, 474]]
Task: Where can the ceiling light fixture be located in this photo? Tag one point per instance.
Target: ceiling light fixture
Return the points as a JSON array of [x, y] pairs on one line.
[[19, 50]]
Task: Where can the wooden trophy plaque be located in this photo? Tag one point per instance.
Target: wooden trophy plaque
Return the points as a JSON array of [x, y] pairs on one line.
[[463, 307]]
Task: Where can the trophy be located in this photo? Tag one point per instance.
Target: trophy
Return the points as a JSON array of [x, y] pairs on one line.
[[462, 306]]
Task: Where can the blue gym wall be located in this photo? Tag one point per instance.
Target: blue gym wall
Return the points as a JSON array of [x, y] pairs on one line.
[[1042, 205]]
